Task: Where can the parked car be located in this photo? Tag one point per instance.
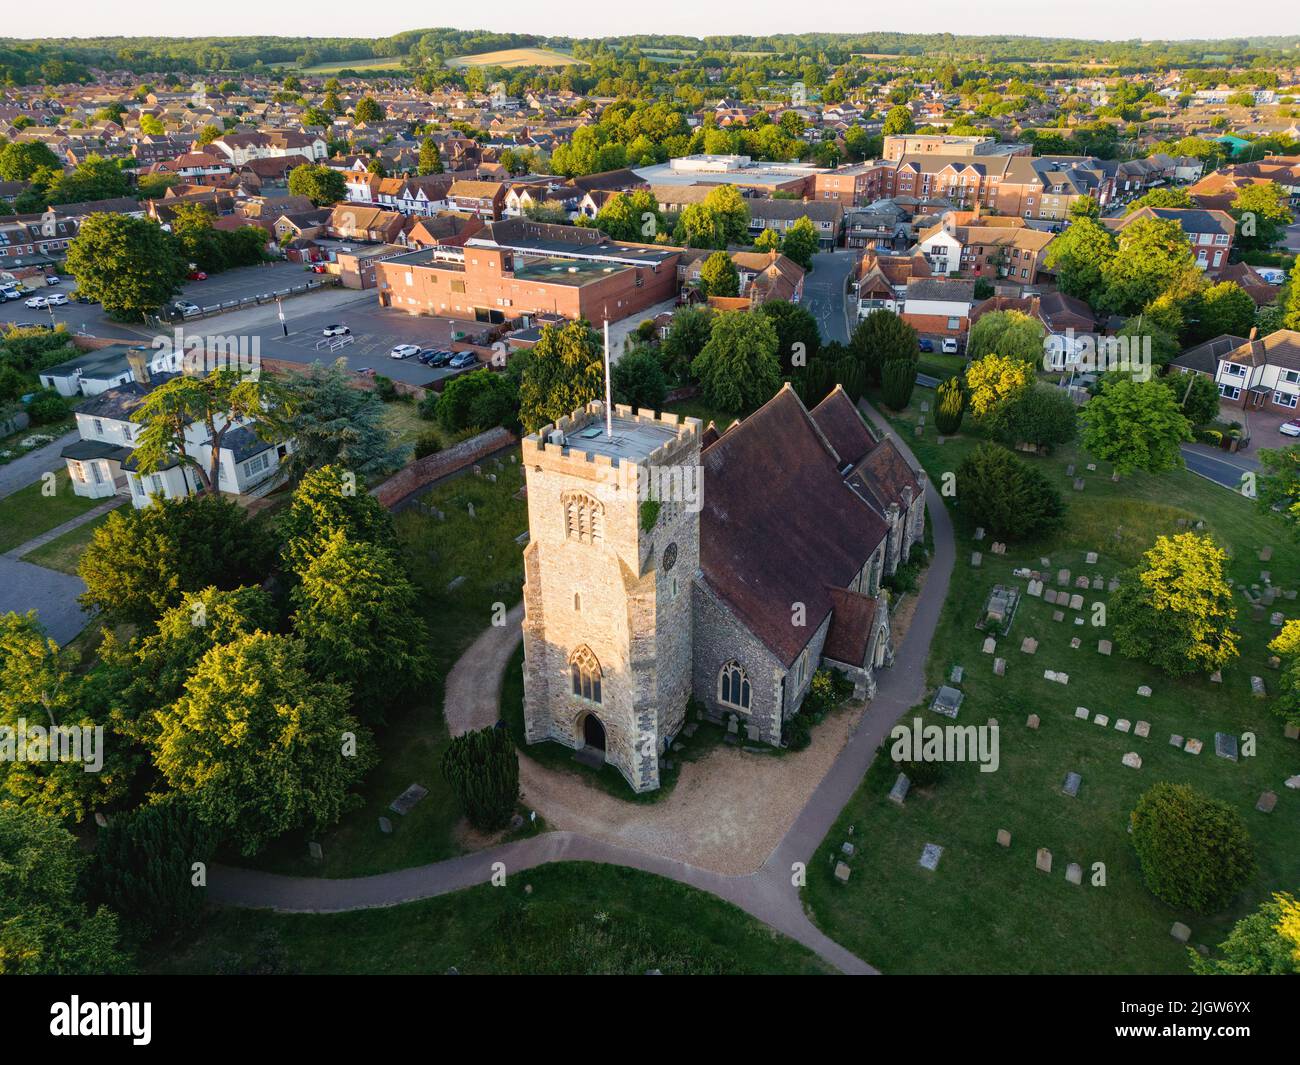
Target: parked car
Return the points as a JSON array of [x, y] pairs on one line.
[[462, 359], [438, 357], [8, 292], [80, 298], [336, 331], [36, 303], [197, 275], [319, 268], [56, 299], [404, 351], [186, 307], [54, 279], [949, 346], [925, 345], [1291, 428], [366, 371]]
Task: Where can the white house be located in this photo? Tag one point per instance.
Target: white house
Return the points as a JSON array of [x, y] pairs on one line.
[[91, 372]]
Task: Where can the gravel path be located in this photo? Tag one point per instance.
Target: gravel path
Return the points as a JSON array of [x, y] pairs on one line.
[[472, 699], [768, 894]]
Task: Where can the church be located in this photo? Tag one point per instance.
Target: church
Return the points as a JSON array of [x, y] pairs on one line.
[[668, 561]]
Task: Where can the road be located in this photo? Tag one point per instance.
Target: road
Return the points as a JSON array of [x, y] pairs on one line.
[[824, 293], [1221, 467]]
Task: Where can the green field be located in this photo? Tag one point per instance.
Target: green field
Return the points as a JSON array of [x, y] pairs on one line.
[[29, 511], [986, 908], [578, 919]]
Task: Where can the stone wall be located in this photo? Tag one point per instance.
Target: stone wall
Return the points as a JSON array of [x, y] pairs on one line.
[[425, 471]]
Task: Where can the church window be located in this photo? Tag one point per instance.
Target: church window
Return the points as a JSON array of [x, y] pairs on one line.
[[584, 518], [585, 671], [733, 686]]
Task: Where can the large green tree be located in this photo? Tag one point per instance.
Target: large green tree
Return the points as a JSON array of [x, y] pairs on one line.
[[881, 337], [322, 185], [1135, 425], [1009, 498], [739, 368], [259, 746], [719, 276], [1263, 943], [801, 242], [1078, 256], [1262, 213], [334, 423], [130, 265], [564, 372], [1149, 254], [330, 499], [1011, 333], [1175, 610], [798, 339]]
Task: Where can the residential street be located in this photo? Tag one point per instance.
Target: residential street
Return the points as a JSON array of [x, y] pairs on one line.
[[824, 293]]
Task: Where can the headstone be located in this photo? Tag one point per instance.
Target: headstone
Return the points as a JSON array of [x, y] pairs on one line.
[[1293, 782], [1144, 691], [1070, 786], [1142, 729], [1265, 553], [455, 583], [1062, 678], [1032, 721], [1058, 615], [899, 791], [1063, 577], [1101, 719], [990, 645], [1257, 688], [1035, 588], [385, 826], [1074, 873], [1277, 618], [976, 559], [1216, 677], [1112, 585], [1043, 860], [1075, 643], [1082, 581], [1004, 838], [1267, 801], [1180, 932], [1049, 596], [979, 533], [842, 872], [930, 856], [1098, 584], [947, 701], [1122, 725], [1069, 470], [956, 675], [470, 509], [1291, 732], [1076, 602], [1133, 760], [405, 802], [1091, 558], [1029, 645], [1049, 674], [1225, 746], [1092, 467], [1193, 746], [847, 849], [1103, 647], [1175, 740], [1078, 484], [1082, 713], [314, 852], [999, 667]]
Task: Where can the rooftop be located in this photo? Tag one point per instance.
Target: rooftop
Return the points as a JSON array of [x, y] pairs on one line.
[[633, 438]]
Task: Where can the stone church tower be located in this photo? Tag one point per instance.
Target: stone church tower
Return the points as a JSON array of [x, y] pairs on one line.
[[613, 553]]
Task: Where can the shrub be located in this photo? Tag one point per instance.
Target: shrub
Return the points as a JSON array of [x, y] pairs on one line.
[[428, 444], [483, 771], [898, 379], [385, 389], [950, 407], [1194, 851], [797, 732], [47, 406]]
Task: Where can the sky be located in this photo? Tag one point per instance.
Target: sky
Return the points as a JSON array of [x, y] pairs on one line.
[[1098, 19]]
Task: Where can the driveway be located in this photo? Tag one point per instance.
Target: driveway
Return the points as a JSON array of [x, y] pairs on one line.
[[51, 594], [824, 293], [23, 471]]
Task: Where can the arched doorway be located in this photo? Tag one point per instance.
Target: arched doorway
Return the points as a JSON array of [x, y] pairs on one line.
[[593, 732]]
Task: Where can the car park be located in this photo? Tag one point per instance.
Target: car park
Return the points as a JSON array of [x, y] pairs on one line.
[[336, 331], [462, 359], [404, 351]]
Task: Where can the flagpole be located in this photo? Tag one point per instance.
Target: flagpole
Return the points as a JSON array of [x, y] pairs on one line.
[[609, 411]]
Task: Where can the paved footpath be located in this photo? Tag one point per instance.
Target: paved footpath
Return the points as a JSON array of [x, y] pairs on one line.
[[768, 894], [23, 471]]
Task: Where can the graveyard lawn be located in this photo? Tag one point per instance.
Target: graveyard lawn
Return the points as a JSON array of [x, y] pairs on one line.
[[986, 908], [579, 918], [481, 549]]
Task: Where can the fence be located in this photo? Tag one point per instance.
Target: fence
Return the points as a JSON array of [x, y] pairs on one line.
[[172, 316]]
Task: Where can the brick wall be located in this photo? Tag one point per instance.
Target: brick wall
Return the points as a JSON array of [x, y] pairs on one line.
[[425, 471]]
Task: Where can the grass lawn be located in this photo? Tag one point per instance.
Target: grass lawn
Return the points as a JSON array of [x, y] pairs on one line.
[[65, 552], [404, 424], [483, 551], [578, 919], [986, 908], [30, 512]]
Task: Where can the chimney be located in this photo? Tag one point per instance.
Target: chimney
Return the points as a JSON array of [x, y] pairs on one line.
[[139, 363]]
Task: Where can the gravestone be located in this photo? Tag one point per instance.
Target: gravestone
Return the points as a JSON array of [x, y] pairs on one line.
[[1257, 688], [1074, 873], [900, 789], [1043, 860], [1180, 932], [1112, 585], [455, 583], [1063, 577], [1004, 838], [405, 802], [1144, 691], [979, 533], [1225, 746], [847, 849], [1091, 558], [385, 826], [1035, 588], [1062, 678], [1293, 782], [1101, 719], [947, 701], [1082, 713], [1267, 801], [1075, 643], [1069, 470], [956, 675], [990, 645], [1133, 760], [1070, 786], [1058, 615], [1142, 729], [1098, 584], [1029, 645], [1078, 484], [976, 559], [1076, 602], [470, 509], [1122, 725], [1049, 596], [1175, 740], [1216, 677], [1291, 732], [1265, 553], [1277, 618], [842, 872], [930, 855], [1032, 721], [1049, 674], [1193, 746], [314, 852], [1081, 581], [999, 667]]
